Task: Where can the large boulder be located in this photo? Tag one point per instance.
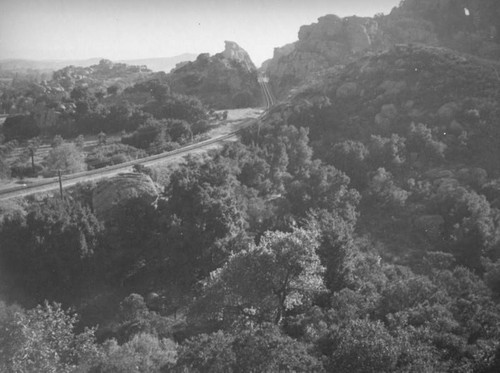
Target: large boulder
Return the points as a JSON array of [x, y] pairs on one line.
[[111, 192]]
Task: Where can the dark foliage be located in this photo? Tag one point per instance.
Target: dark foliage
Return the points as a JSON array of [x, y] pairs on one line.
[[20, 127], [49, 252]]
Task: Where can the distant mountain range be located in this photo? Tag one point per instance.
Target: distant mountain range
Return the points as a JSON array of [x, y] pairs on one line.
[[162, 63], [156, 64]]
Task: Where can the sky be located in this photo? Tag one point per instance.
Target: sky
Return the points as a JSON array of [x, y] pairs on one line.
[[134, 29]]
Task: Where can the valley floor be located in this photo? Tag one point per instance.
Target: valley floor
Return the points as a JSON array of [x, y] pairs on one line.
[[235, 120]]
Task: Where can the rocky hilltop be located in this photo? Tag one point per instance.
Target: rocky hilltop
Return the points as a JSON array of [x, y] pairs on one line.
[[329, 42], [223, 81], [104, 74], [234, 52], [50, 99], [469, 26]]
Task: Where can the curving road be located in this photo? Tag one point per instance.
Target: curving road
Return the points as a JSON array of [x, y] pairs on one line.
[[52, 184]]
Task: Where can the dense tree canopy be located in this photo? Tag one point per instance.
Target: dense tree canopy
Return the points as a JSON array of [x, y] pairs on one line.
[[43, 340], [47, 253], [353, 228], [265, 281]]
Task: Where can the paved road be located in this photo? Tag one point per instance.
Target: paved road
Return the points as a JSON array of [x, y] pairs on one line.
[[52, 184]]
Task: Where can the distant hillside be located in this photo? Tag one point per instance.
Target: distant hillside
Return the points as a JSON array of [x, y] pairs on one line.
[[21, 65], [163, 63], [28, 93], [155, 64], [100, 76], [225, 80]]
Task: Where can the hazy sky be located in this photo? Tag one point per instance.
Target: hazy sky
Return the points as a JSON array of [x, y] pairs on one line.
[[127, 29]]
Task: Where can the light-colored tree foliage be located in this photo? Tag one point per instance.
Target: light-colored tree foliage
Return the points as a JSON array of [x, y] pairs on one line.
[[5, 150], [67, 158], [263, 348], [384, 190], [267, 280], [144, 353], [42, 340]]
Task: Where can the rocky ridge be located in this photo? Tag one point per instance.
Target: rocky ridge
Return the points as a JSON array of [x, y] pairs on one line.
[[223, 81], [469, 26], [234, 52], [332, 41]]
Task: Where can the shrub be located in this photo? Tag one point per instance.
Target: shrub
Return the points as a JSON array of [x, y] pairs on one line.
[[67, 158], [111, 154]]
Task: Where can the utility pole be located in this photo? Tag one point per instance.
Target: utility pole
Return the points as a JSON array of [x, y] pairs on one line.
[[60, 183]]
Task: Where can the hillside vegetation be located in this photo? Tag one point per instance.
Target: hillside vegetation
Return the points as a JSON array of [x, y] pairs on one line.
[[354, 228]]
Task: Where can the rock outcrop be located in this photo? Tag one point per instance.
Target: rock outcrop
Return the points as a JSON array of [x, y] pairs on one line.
[[471, 26], [223, 81], [449, 17], [111, 192], [234, 52], [330, 42]]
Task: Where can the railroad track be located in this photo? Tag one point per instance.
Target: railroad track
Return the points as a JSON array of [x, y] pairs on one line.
[[51, 184], [268, 97]]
